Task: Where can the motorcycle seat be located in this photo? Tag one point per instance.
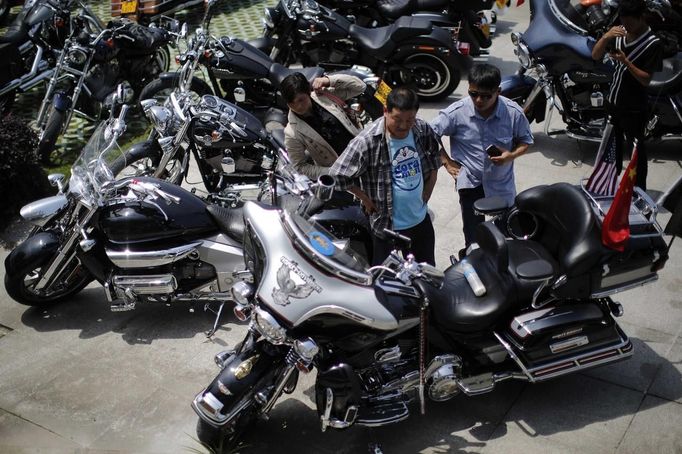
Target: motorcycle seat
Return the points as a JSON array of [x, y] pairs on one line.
[[382, 41], [16, 34], [496, 261], [230, 221], [279, 72], [669, 80], [394, 9]]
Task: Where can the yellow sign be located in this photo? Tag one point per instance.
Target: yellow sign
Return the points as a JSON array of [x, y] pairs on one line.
[[128, 6], [382, 92]]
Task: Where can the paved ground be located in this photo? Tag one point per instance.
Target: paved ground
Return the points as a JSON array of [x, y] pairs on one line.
[[77, 378]]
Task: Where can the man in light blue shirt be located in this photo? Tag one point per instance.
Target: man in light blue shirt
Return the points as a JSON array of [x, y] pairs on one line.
[[483, 121]]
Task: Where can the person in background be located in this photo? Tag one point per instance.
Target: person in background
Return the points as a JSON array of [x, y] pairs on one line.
[[391, 167], [638, 54], [318, 128], [487, 133]]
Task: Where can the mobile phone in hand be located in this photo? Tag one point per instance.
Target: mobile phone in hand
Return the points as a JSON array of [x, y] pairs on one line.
[[493, 151]]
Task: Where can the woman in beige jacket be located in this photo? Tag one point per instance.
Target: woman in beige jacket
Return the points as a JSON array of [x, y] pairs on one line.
[[318, 129]]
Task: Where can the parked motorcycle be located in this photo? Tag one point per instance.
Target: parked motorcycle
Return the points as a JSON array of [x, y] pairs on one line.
[[145, 240], [411, 51], [384, 336], [30, 48], [91, 65], [246, 76], [5, 6], [557, 72], [147, 11], [466, 20]]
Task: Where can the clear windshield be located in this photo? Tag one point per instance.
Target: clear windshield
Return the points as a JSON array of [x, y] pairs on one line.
[[332, 253], [94, 167], [572, 12]]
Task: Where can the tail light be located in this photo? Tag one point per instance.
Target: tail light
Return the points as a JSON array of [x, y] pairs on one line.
[[463, 48]]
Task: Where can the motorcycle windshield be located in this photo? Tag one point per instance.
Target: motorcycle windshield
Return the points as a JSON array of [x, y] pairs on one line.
[[93, 168], [323, 248], [569, 12]]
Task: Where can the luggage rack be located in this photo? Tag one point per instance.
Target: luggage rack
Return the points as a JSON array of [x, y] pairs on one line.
[[643, 211]]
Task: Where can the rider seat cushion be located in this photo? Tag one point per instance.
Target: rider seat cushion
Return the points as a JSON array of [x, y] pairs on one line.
[[382, 40], [230, 221], [279, 72]]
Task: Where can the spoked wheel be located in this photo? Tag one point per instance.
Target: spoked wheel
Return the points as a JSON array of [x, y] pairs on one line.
[[21, 285], [163, 58], [433, 77], [53, 127], [145, 165]]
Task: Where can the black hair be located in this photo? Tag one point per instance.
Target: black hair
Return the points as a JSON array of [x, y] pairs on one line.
[[293, 85], [632, 8], [402, 98], [485, 76]]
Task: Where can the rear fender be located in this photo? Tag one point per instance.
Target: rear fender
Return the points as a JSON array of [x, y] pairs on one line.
[[437, 42], [31, 253], [62, 101]]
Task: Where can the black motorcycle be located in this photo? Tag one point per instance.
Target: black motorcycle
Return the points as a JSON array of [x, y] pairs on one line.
[[245, 76], [384, 336], [411, 51], [144, 240], [31, 46], [557, 52], [92, 64], [466, 20]]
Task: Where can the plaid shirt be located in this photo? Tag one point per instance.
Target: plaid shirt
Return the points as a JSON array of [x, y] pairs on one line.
[[366, 164]]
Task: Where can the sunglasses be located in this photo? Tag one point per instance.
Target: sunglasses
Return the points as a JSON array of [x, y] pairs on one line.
[[478, 94]]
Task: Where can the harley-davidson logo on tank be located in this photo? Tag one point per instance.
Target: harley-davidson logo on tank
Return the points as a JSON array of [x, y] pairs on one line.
[[288, 285]]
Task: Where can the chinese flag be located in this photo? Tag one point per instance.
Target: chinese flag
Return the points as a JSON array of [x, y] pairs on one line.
[[615, 229]]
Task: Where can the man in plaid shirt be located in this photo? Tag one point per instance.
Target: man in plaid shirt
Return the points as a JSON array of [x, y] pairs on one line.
[[392, 166]]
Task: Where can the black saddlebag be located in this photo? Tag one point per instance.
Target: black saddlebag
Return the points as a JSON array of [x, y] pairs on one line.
[[554, 341], [10, 63]]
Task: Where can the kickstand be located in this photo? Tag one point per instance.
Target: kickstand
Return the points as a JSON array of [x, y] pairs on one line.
[[207, 307]]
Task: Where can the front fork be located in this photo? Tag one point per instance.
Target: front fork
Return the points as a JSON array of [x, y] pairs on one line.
[[67, 252], [60, 68]]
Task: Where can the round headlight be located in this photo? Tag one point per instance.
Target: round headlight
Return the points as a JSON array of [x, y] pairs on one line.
[[524, 55], [159, 117], [76, 56], [242, 292], [516, 38], [268, 327]]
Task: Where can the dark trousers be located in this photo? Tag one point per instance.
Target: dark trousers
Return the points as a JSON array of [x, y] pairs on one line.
[[423, 244], [470, 219], [628, 126]]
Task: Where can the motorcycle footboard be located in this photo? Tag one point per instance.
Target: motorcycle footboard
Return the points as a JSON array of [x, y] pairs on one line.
[[556, 341]]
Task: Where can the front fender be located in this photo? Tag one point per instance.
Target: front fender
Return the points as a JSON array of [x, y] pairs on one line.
[[517, 88], [241, 374], [31, 253]]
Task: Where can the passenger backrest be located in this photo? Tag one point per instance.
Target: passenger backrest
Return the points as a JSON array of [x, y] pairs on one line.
[[568, 229]]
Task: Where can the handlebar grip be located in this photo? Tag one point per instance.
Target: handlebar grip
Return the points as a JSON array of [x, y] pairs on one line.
[[124, 111]]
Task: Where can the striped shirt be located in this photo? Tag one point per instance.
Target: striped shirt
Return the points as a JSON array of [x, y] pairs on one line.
[[366, 164], [645, 53]]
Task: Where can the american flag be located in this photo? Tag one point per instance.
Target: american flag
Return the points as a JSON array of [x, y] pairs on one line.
[[603, 178]]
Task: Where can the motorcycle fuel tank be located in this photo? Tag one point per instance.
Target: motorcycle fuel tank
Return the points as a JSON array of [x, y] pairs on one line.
[[133, 221], [295, 286]]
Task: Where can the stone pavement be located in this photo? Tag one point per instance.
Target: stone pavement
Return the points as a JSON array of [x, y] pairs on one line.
[[77, 378]]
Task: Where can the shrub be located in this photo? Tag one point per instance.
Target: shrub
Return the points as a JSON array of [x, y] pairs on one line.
[[22, 180]]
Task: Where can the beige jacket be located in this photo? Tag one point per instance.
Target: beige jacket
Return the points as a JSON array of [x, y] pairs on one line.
[[310, 154]]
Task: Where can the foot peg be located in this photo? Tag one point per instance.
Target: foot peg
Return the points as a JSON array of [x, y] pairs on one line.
[[122, 306]]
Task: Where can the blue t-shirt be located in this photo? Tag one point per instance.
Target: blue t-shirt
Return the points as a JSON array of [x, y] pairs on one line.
[[409, 208]]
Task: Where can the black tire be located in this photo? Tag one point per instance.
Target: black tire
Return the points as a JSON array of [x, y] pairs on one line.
[[18, 285], [145, 165], [7, 103], [53, 127], [218, 440], [432, 76], [163, 58], [160, 89]]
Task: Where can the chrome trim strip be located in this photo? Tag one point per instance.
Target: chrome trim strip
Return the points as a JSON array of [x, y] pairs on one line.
[[513, 356], [625, 287], [146, 259], [147, 285]]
